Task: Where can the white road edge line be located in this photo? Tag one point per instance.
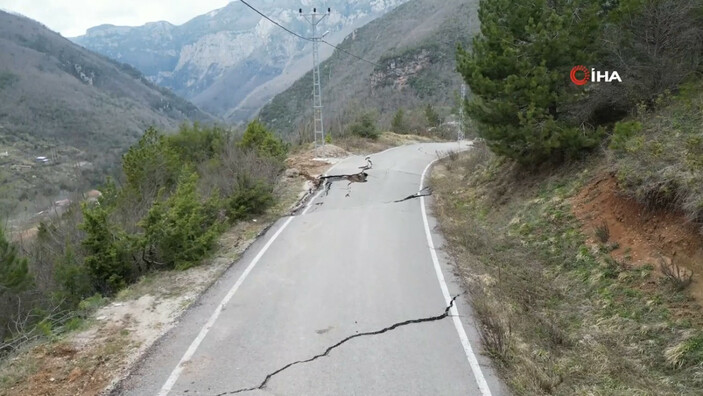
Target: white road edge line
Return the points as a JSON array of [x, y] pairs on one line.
[[176, 373], [470, 356]]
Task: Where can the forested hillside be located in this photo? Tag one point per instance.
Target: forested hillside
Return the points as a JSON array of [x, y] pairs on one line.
[[60, 101], [412, 50]]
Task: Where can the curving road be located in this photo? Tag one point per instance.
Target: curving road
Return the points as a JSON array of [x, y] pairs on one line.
[[347, 298]]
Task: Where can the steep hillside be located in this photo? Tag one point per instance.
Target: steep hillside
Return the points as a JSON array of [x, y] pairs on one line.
[[413, 48], [230, 61], [56, 96]]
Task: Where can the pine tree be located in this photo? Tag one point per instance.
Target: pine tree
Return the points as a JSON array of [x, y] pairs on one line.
[[14, 273], [433, 118], [399, 125], [266, 144], [518, 73]]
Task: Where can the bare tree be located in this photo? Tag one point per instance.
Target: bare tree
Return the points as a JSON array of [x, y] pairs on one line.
[[657, 47]]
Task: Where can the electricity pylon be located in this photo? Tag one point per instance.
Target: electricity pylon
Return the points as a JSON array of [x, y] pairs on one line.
[[314, 19], [462, 121]]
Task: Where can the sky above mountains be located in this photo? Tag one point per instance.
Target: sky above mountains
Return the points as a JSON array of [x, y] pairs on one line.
[[73, 17]]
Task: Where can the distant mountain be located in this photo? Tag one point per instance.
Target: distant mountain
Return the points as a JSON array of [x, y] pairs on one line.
[[412, 49], [231, 61], [52, 88], [63, 101]]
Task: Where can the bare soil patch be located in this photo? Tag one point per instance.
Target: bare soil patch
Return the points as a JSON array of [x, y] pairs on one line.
[[643, 236]]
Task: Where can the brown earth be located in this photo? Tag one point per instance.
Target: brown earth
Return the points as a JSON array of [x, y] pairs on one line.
[[316, 161], [644, 236]]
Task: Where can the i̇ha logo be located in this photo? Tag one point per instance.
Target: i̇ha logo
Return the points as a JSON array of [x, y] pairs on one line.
[[592, 75]]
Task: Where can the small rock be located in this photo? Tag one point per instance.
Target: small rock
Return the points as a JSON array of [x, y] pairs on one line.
[[292, 173]]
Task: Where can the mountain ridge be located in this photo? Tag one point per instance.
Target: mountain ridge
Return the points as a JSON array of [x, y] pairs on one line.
[[56, 97], [411, 51], [221, 59]]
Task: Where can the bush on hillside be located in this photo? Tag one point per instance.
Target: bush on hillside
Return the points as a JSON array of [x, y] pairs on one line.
[[264, 142], [365, 127], [659, 156], [150, 165], [252, 197], [399, 124], [14, 273], [180, 230], [109, 251], [433, 118], [194, 144]]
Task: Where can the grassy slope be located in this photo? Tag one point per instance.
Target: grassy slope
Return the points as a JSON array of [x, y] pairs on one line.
[[560, 315], [662, 165], [400, 36]]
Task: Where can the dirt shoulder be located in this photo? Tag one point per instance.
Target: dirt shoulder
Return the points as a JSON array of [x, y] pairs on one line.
[[561, 311]]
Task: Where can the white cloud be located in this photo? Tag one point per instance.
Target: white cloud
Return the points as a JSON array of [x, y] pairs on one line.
[[73, 17]]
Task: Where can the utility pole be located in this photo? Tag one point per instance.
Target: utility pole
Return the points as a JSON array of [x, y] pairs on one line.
[[462, 121], [314, 19]]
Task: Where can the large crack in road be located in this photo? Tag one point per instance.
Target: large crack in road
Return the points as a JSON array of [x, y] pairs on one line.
[[425, 192], [268, 377]]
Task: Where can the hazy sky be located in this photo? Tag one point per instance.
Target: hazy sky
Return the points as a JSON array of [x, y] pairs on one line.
[[72, 17]]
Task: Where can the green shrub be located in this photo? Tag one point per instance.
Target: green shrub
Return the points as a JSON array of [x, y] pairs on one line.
[[365, 127], [14, 273], [399, 124], [433, 118], [195, 144], [181, 230], [250, 198], [150, 165], [258, 138], [73, 279], [109, 250], [622, 133]]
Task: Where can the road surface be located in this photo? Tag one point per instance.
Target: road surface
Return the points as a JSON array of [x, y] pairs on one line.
[[346, 298]]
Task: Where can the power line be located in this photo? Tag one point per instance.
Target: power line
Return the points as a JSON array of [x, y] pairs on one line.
[[276, 23], [307, 38], [350, 54]]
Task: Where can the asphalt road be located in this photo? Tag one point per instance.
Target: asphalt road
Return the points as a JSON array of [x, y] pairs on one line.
[[347, 266]]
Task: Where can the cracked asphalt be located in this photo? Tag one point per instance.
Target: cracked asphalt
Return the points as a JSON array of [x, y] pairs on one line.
[[345, 301]]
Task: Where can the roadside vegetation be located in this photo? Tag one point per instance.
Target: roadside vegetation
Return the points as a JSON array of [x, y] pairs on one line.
[[176, 194], [558, 313], [579, 289]]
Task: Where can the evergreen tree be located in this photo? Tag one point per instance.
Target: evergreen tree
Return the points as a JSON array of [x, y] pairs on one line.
[[257, 137], [399, 125], [433, 119], [365, 127], [14, 274], [518, 72], [109, 251]]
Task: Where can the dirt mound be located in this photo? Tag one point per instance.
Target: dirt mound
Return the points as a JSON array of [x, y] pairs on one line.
[[316, 161], [329, 151], [644, 236]]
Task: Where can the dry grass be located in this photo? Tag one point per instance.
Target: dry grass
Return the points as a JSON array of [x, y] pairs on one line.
[[603, 232], [679, 277], [556, 315], [662, 164], [363, 146]]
